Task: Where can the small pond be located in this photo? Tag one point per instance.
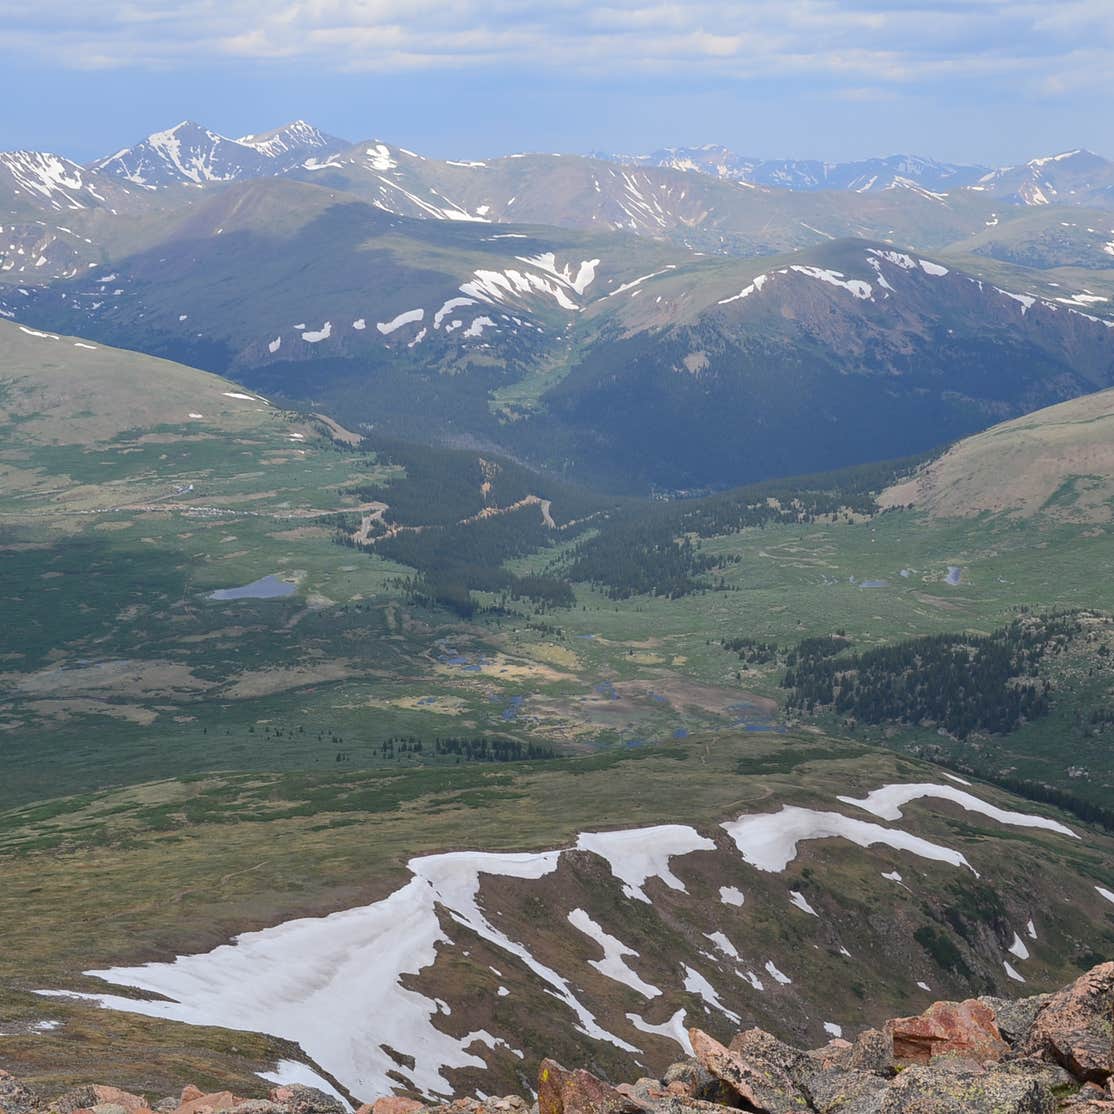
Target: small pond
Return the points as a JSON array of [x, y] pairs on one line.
[[266, 588]]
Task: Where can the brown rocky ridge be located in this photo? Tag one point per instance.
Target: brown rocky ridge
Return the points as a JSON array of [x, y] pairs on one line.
[[1034, 1055]]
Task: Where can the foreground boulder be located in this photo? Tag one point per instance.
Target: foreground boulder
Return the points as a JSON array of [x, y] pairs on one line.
[[1073, 1027], [964, 1029], [561, 1091], [1038, 1055], [757, 1067]]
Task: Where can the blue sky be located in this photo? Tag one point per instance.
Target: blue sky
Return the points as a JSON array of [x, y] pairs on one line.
[[993, 81]]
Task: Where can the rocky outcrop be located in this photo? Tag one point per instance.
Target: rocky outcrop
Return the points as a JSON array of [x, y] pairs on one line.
[[963, 1029], [15, 1098], [1073, 1027], [1037, 1055]]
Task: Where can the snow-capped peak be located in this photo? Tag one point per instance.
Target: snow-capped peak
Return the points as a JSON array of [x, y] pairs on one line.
[[297, 136], [41, 175], [190, 152]]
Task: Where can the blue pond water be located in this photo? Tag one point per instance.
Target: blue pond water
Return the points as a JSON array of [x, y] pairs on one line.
[[266, 588]]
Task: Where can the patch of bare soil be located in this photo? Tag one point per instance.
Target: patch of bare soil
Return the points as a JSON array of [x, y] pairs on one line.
[[127, 677], [267, 682], [337, 432]]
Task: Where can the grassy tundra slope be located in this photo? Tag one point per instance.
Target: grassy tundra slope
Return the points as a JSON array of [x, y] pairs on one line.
[[837, 932]]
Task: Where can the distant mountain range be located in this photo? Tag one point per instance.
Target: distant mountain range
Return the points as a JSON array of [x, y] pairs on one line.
[[1073, 177], [193, 154], [578, 312]]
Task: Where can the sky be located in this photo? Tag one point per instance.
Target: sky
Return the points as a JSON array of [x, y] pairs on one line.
[[980, 81]]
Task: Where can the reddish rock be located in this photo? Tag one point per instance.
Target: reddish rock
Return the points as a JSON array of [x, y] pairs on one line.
[[1073, 1028], [561, 1091], [117, 1097], [210, 1103], [189, 1093], [395, 1104], [964, 1029]]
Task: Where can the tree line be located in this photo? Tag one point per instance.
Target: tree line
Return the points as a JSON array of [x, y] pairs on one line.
[[960, 682]]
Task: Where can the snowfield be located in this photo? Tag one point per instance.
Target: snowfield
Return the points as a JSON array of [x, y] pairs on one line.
[[311, 980]]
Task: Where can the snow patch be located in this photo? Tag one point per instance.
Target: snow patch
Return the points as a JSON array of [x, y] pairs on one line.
[[274, 345], [731, 895], [1018, 948], [309, 980], [638, 854], [477, 327], [613, 965], [1012, 973], [899, 258], [359, 324], [778, 976], [448, 307], [405, 318], [723, 944], [858, 287], [696, 983], [832, 1029], [674, 1029], [379, 157], [798, 899], [641, 279], [313, 336], [769, 841], [289, 1072], [886, 803], [755, 287]]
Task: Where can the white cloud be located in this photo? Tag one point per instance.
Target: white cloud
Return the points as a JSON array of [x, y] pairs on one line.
[[862, 44]]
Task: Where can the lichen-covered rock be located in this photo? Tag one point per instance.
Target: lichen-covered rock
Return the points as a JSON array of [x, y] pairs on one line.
[[561, 1091], [845, 1092], [1073, 1027], [1015, 1018], [758, 1070], [15, 1098], [690, 1078], [873, 1051], [965, 1029], [300, 1099], [79, 1098], [836, 1054], [930, 1089]]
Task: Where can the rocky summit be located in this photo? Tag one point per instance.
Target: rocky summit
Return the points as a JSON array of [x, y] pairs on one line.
[[1033, 1055]]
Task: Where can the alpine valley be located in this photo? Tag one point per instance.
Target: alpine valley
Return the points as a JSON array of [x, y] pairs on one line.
[[458, 613]]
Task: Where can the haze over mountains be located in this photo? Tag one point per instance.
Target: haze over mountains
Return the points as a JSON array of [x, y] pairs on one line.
[[301, 262], [559, 600]]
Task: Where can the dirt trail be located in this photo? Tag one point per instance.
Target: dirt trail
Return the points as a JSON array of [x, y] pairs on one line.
[[373, 514], [526, 501]]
